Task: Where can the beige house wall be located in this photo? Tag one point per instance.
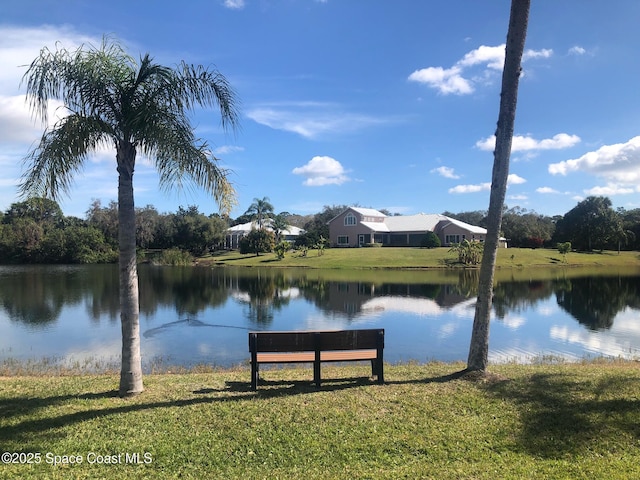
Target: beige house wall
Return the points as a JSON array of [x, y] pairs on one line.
[[354, 233], [338, 230]]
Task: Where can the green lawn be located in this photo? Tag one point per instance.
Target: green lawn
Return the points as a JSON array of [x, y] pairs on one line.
[[523, 421], [398, 257]]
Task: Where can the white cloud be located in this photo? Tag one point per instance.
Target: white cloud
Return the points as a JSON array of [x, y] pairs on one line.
[[518, 197], [446, 172], [513, 179], [544, 53], [227, 149], [311, 119], [234, 4], [492, 57], [18, 48], [446, 81], [610, 189], [322, 170], [481, 187], [17, 124], [546, 190], [618, 163], [522, 143], [452, 81], [577, 50]]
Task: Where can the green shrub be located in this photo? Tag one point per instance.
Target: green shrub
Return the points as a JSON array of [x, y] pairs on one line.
[[257, 241], [430, 240], [175, 257], [282, 248]]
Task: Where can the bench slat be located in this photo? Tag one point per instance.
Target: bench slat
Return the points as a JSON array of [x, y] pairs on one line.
[[303, 357]]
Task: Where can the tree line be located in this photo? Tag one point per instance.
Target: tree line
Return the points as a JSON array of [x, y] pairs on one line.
[[591, 225], [36, 230]]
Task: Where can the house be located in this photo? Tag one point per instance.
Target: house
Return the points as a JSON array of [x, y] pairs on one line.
[[235, 233], [360, 226]]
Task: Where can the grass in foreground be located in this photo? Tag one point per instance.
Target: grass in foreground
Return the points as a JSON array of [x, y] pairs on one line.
[[523, 421]]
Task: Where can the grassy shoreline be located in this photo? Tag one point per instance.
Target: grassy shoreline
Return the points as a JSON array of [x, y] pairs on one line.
[[420, 258], [523, 421]]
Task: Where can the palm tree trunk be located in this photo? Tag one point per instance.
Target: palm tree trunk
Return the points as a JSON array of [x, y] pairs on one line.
[[131, 366], [479, 347]]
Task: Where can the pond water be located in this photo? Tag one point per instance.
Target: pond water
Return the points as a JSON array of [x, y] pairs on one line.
[[191, 316]]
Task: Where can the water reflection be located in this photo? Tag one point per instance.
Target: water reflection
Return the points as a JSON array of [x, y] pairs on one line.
[[195, 313]]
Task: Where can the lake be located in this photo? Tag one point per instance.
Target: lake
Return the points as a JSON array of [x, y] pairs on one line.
[[191, 316]]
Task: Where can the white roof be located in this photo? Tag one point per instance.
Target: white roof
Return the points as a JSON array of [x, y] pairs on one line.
[[411, 223], [471, 228], [368, 212], [247, 227], [421, 222]]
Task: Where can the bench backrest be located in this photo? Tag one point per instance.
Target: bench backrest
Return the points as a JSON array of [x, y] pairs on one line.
[[312, 341]]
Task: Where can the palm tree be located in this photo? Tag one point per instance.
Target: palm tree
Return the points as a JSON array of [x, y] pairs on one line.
[[279, 225], [519, 18], [259, 210], [136, 108]]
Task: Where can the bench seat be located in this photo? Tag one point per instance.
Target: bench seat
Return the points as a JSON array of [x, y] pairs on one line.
[[317, 347], [309, 357]]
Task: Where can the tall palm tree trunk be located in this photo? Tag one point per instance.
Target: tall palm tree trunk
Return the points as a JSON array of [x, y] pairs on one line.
[[519, 19], [131, 366]]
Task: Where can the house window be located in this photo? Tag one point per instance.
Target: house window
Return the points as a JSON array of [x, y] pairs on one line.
[[350, 219], [451, 239], [343, 240]]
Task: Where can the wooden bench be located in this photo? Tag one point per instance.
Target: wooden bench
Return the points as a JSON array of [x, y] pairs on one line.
[[317, 347]]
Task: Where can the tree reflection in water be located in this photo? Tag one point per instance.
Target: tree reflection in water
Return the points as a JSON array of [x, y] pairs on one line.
[[172, 298]]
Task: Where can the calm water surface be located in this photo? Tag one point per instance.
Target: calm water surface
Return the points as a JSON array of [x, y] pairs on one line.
[[193, 316]]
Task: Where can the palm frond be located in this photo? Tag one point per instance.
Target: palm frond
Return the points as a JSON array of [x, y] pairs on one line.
[[184, 163], [143, 104], [208, 87], [61, 152]]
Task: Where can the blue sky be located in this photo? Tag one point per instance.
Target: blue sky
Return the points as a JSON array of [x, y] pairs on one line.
[[380, 103]]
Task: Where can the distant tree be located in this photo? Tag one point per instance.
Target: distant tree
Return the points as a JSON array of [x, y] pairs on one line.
[[242, 219], [257, 241], [279, 224], [260, 210], [564, 248], [20, 241], [146, 225], [631, 225], [319, 226], [591, 224], [195, 232], [104, 219], [477, 217], [526, 228], [44, 211]]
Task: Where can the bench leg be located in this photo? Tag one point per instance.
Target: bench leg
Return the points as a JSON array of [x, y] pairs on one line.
[[377, 370], [254, 376], [316, 373]]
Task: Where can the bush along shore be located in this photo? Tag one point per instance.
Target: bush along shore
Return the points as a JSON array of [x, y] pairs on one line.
[[544, 420]]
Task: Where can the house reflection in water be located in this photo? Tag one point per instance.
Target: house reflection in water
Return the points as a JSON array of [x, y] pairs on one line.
[[356, 299]]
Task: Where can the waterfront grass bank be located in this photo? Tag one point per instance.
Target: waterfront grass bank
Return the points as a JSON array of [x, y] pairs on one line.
[[546, 420]]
